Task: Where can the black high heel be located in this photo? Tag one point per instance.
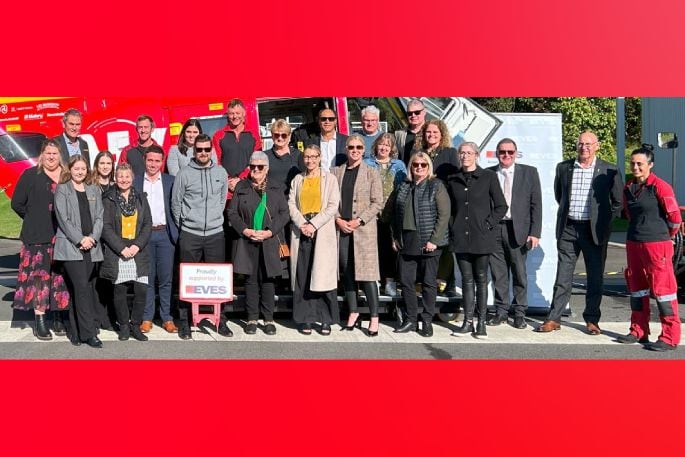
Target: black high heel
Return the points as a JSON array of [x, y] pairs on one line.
[[373, 333], [357, 324]]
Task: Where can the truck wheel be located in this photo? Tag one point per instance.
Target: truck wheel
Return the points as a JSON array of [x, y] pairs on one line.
[[447, 317]]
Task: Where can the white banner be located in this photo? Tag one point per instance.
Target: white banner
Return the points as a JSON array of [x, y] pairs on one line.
[[539, 141], [206, 282]]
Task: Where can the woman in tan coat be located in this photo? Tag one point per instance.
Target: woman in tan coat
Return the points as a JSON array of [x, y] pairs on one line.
[[313, 203], [361, 199]]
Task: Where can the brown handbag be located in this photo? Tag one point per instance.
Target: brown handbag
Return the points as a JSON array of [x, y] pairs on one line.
[[283, 248]]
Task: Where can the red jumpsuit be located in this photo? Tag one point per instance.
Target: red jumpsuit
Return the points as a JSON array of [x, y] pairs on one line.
[[654, 218]]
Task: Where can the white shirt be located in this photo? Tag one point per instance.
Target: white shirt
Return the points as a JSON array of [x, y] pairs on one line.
[[501, 173], [328, 152], [155, 198]]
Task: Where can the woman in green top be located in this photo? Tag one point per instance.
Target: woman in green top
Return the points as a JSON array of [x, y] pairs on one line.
[[258, 212]]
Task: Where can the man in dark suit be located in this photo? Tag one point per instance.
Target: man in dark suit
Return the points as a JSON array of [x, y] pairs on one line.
[[157, 187], [69, 142], [518, 232], [589, 192], [332, 143]]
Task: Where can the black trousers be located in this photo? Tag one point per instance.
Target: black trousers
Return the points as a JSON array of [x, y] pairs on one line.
[[346, 258], [414, 268], [506, 259], [474, 284], [81, 275], [121, 303], [577, 238], [387, 257], [309, 306], [194, 249], [259, 284]]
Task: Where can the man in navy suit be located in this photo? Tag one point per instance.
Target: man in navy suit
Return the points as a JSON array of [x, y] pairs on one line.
[[157, 188], [518, 232], [69, 142], [332, 144], [590, 194]]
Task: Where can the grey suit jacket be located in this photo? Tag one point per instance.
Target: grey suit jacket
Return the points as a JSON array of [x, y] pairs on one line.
[[69, 233], [606, 197], [526, 202]]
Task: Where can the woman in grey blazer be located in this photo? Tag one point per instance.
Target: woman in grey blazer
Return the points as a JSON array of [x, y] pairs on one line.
[[78, 207]]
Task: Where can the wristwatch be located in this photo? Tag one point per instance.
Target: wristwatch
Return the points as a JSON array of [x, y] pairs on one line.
[[361, 221]]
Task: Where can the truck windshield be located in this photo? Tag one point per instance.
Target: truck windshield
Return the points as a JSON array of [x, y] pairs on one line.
[[15, 147]]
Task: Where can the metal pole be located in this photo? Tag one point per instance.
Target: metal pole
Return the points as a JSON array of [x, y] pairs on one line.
[[621, 136]]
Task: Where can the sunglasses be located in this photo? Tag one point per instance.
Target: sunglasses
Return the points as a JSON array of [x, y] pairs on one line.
[[419, 165], [209, 149], [276, 136], [259, 167], [506, 152], [414, 113], [358, 147], [329, 119]]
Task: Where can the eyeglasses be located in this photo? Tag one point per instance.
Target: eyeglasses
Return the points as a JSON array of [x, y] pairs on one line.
[[587, 145], [419, 165], [209, 149], [506, 152], [467, 153], [276, 136], [327, 119], [311, 157], [414, 113], [259, 167], [369, 120], [358, 147]]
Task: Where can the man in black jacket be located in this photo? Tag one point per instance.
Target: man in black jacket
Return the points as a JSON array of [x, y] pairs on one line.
[[69, 142], [518, 232], [589, 192], [331, 142]]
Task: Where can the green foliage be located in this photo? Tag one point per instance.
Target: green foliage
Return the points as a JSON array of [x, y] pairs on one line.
[[10, 223], [579, 114]]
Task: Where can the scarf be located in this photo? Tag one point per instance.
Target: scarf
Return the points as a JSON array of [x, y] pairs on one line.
[[127, 208], [258, 219]]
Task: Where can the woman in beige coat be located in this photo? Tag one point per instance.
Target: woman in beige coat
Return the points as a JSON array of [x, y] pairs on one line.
[[313, 203], [361, 199]]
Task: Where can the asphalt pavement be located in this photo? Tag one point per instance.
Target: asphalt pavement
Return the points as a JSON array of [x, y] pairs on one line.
[[504, 342]]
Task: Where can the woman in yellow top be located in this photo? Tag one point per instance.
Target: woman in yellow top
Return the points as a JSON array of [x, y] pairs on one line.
[[126, 232], [313, 203]]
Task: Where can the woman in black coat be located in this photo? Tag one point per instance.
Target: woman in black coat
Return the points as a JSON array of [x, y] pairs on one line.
[[478, 205], [126, 232], [259, 212]]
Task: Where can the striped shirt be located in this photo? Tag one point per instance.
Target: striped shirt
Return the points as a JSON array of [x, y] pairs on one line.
[[581, 192]]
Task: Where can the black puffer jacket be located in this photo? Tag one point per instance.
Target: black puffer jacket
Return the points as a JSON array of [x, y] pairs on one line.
[[113, 241]]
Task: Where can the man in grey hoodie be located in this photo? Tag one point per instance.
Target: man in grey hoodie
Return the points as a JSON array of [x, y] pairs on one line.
[[197, 205]]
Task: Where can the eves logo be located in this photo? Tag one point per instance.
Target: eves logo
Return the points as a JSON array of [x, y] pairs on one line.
[[211, 290]]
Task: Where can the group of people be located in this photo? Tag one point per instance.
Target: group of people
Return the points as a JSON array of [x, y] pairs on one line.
[[351, 210]]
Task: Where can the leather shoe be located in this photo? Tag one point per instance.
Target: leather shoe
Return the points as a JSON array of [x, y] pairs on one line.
[[251, 328], [548, 326], [593, 329], [270, 328], [407, 327], [146, 326], [497, 320], [170, 327], [184, 332], [519, 322], [224, 330], [94, 342], [427, 330], [325, 329]]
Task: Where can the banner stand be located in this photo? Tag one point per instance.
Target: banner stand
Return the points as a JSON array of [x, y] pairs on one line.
[[206, 284]]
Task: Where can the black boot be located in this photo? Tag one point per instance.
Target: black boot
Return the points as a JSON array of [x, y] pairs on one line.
[[427, 329], [480, 329], [58, 324], [124, 332], [466, 328], [136, 333], [41, 330]]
